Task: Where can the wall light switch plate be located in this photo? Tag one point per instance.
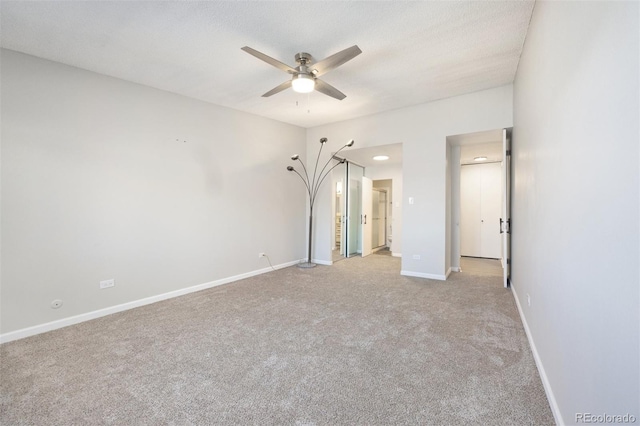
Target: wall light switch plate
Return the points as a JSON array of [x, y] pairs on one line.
[[416, 257], [411, 200], [107, 283]]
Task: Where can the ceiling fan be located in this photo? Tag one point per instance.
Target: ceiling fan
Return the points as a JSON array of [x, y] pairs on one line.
[[305, 75]]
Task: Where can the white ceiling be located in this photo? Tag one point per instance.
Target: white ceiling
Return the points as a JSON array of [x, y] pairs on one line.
[[479, 144], [492, 151], [413, 52], [364, 156]]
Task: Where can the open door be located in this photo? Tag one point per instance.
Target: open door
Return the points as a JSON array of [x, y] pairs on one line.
[[367, 212], [505, 220], [353, 224]]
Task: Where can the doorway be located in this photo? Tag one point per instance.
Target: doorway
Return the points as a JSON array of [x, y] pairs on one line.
[[352, 212], [379, 219], [338, 251], [480, 202], [353, 216], [467, 155]]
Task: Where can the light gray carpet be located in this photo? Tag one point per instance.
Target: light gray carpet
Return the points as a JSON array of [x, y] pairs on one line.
[[481, 266], [354, 344]]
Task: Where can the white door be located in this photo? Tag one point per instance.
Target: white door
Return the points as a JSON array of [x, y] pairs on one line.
[[366, 218], [382, 219], [480, 201], [505, 222], [490, 206], [353, 227], [470, 179]]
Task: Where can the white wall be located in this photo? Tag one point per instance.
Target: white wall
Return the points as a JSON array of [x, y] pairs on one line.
[[97, 183], [423, 130], [453, 164], [576, 203]]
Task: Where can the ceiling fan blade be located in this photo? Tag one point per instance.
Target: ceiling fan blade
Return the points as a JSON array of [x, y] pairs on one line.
[[278, 89], [269, 60], [335, 60], [329, 90]]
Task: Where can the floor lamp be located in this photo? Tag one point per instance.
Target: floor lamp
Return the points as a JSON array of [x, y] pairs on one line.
[[312, 188]]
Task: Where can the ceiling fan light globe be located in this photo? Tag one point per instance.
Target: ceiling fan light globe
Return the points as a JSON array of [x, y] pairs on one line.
[[303, 83]]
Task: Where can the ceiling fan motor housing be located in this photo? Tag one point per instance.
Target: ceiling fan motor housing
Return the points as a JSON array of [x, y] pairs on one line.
[[304, 58]]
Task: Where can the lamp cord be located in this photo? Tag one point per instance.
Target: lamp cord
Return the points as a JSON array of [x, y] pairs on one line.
[[269, 260]]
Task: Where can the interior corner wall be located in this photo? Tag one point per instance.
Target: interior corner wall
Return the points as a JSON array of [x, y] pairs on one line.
[[422, 130], [103, 178], [454, 203], [448, 206], [575, 206]]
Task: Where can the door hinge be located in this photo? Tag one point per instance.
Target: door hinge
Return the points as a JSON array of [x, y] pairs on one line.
[[505, 226]]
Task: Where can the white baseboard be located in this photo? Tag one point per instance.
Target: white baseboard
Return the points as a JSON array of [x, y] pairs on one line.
[[322, 262], [396, 254], [76, 319], [447, 274], [423, 275], [543, 375], [455, 269]]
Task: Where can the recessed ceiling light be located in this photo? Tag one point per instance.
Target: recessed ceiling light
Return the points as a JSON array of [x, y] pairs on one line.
[[381, 157], [480, 159]]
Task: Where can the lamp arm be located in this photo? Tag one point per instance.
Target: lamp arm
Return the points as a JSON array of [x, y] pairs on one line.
[[343, 147], [305, 183], [322, 180], [317, 159], [325, 166], [304, 168]]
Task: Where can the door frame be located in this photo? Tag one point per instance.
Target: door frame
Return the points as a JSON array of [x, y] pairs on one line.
[[505, 224], [365, 219], [386, 212]]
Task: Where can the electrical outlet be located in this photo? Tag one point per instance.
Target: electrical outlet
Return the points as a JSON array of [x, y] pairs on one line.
[[107, 283], [528, 300], [416, 257], [262, 255]]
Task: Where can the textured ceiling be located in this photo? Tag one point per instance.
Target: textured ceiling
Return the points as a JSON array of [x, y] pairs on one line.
[[413, 52]]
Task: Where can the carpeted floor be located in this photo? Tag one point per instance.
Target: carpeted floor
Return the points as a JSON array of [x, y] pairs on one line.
[[481, 266], [350, 344]]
